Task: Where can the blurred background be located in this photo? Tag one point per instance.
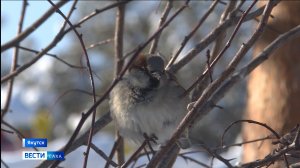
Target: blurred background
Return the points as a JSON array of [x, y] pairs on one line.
[[49, 97]]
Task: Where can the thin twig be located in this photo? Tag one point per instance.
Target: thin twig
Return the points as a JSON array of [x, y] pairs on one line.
[[59, 59], [16, 131], [243, 143], [97, 11], [220, 40], [100, 43], [203, 102], [193, 160], [242, 73], [162, 20], [53, 56], [209, 70], [70, 91], [99, 124], [134, 155], [216, 49], [238, 10], [147, 154], [210, 38], [216, 155], [14, 63], [251, 122], [269, 159], [116, 80], [72, 9], [141, 155], [113, 150], [7, 131], [241, 53], [55, 41], [90, 75], [15, 41], [22, 68], [103, 155], [217, 58], [191, 34]]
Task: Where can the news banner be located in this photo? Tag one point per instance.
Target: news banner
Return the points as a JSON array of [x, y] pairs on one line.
[[39, 155]]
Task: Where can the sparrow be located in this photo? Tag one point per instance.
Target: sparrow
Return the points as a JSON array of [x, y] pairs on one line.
[[148, 101]]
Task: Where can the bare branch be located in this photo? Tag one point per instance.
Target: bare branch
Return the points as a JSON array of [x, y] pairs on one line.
[[119, 61], [90, 74], [73, 7], [134, 155], [220, 40], [193, 160], [243, 143], [251, 122], [14, 63], [202, 102], [100, 43], [162, 20], [113, 150], [213, 63], [241, 74], [99, 124], [115, 81], [30, 29], [216, 155], [191, 34], [216, 49], [168, 160], [269, 159], [59, 59], [55, 41], [118, 39], [7, 131], [103, 155], [16, 131], [210, 38], [53, 56]]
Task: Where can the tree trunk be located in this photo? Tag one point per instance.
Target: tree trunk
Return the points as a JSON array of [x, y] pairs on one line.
[[274, 87]]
